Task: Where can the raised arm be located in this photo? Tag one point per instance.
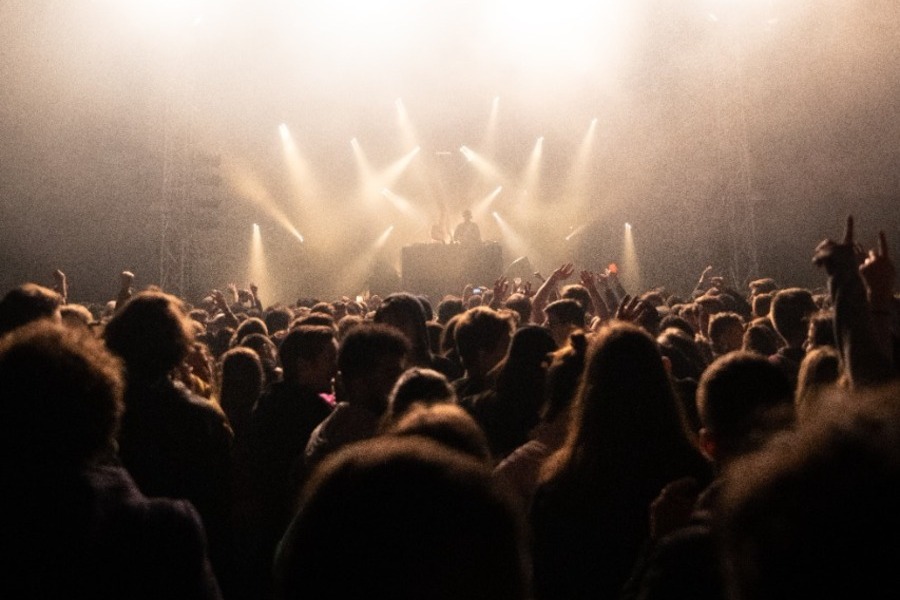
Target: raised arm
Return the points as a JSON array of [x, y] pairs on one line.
[[222, 304], [861, 351], [880, 275], [126, 278], [541, 297], [60, 285], [590, 283]]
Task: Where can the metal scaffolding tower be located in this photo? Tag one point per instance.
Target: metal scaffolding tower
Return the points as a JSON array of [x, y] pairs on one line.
[[738, 196]]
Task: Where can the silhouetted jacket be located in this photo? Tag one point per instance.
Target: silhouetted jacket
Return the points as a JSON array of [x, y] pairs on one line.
[[92, 534]]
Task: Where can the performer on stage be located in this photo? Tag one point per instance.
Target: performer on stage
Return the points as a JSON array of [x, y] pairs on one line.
[[467, 232]]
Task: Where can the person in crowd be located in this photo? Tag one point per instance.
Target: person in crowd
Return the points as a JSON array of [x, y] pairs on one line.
[[173, 443], [73, 522], [370, 360], [520, 470], [26, 303], [791, 311], [269, 458], [626, 440], [742, 400], [241, 383], [405, 313], [403, 517], [814, 514], [447, 424], [482, 339], [511, 408], [562, 317], [417, 386], [726, 333], [819, 372]]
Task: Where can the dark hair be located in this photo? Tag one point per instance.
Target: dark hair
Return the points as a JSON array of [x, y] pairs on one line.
[[567, 311], [447, 424], [304, 343], [814, 514], [278, 318], [760, 339], [677, 322], [625, 407], [564, 376], [719, 324], [736, 399], [26, 303], [248, 326], [240, 386], [578, 293], [60, 397], [151, 334], [418, 385], [790, 313], [448, 308], [365, 345], [480, 329], [412, 519]]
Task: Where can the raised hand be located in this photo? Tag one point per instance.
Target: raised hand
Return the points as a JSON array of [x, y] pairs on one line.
[[588, 280], [563, 272], [837, 257], [501, 289], [637, 311], [126, 278], [879, 273]]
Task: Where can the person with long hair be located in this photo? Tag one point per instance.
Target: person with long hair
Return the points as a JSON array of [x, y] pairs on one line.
[[626, 441]]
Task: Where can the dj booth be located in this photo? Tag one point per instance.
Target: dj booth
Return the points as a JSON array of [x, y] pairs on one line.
[[437, 269]]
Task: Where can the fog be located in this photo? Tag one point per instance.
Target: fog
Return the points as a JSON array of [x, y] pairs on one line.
[[736, 133]]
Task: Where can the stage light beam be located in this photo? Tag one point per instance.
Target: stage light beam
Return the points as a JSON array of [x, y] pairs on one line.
[[482, 207], [631, 273]]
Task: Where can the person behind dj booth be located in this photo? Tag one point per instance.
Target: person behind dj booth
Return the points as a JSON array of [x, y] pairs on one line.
[[467, 233]]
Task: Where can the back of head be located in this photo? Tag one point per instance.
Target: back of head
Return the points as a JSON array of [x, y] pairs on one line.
[[726, 332], [565, 311], [814, 514], [418, 385], [578, 293], [241, 382], [27, 303], [626, 404], [790, 313], [521, 305], [278, 319], [247, 327], [76, 315], [447, 424], [305, 343], [742, 398], [529, 349], [564, 376], [821, 330], [150, 333], [762, 303], [819, 370], [760, 339], [60, 397], [481, 329], [404, 518], [405, 312], [448, 308], [365, 346]]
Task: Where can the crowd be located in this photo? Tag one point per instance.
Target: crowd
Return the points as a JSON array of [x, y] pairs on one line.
[[567, 442]]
